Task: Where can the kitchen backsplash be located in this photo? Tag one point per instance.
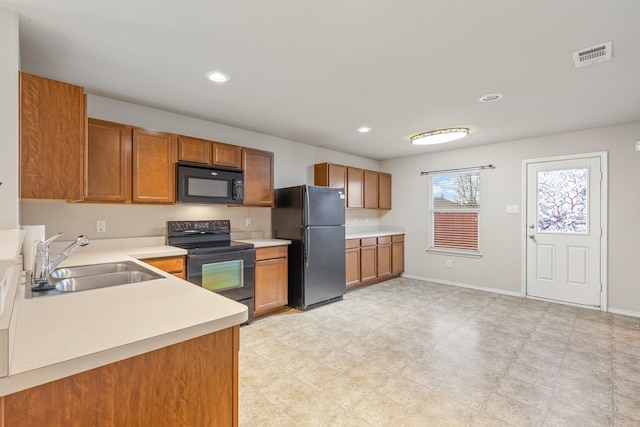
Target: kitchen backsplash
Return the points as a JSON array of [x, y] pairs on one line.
[[123, 221]]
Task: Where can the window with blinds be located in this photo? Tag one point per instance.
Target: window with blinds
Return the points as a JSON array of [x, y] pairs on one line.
[[454, 202]]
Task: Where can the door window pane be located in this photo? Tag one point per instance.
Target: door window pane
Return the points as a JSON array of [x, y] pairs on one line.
[[562, 201]]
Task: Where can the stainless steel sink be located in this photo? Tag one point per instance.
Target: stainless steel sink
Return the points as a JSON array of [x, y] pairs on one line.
[[94, 276], [96, 269]]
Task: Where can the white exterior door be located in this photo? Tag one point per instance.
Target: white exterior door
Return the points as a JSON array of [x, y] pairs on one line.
[[564, 229]]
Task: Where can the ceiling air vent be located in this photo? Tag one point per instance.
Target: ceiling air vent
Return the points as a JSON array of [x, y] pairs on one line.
[[593, 54]]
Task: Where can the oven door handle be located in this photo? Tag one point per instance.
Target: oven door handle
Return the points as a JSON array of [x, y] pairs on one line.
[[225, 254]]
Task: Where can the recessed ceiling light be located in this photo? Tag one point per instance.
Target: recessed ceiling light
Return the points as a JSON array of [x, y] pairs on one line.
[[439, 136], [364, 129], [490, 97], [217, 76]]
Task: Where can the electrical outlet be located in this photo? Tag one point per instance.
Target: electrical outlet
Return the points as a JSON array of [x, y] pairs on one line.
[[449, 263], [101, 226], [247, 222]]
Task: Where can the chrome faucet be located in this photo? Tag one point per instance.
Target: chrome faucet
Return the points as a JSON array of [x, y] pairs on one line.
[[43, 268]]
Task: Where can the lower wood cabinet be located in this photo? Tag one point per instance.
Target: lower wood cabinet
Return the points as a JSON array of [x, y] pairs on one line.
[[271, 279], [192, 383], [173, 265], [374, 259]]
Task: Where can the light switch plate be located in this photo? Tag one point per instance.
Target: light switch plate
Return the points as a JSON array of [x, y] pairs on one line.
[[513, 209], [637, 145]]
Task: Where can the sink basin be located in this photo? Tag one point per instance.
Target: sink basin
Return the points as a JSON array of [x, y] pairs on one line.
[[96, 269], [94, 276]]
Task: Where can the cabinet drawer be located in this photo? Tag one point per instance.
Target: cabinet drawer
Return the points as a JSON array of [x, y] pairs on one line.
[[352, 243], [397, 238], [272, 252], [168, 264], [384, 240], [371, 241]]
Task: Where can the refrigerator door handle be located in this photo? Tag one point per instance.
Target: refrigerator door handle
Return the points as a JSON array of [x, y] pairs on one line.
[[307, 246], [306, 205]]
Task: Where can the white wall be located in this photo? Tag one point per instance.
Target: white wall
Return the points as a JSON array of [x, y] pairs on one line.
[[293, 166], [9, 63], [500, 233]]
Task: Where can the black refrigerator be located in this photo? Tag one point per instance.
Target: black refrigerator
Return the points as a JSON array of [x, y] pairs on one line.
[[312, 218]]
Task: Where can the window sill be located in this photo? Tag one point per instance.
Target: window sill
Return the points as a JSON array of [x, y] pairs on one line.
[[453, 252]]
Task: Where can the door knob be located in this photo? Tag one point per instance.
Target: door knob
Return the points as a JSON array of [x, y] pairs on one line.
[[532, 236]]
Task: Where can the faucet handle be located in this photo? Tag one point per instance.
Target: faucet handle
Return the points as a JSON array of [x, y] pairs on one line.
[[49, 240]]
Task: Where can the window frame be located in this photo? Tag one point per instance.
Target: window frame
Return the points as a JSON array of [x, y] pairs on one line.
[[473, 253]]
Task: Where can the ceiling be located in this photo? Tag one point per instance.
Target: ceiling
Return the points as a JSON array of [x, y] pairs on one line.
[[315, 71]]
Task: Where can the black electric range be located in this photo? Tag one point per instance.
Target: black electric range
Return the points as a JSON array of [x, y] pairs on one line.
[[214, 262]]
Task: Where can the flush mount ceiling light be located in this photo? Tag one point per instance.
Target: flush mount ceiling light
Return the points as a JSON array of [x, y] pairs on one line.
[[217, 76], [439, 136], [364, 129], [490, 97]]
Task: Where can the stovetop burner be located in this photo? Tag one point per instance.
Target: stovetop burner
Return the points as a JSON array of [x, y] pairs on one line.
[[203, 237]]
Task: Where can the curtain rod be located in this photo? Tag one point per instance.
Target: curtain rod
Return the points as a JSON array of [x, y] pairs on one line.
[[472, 168]]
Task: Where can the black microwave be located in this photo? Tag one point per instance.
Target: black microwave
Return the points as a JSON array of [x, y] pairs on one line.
[[210, 184]]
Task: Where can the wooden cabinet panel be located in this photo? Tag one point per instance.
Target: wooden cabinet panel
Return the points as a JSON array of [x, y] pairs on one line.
[[352, 265], [108, 174], [384, 190], [193, 383], [370, 189], [271, 279], [397, 254], [368, 263], [52, 139], [354, 188], [194, 150], [384, 257], [226, 155], [258, 177], [173, 265], [330, 175], [153, 167]]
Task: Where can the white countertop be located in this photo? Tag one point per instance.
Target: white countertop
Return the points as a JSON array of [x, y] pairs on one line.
[[264, 243], [61, 335], [371, 233]]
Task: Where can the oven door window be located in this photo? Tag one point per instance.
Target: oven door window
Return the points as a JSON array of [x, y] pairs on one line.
[[220, 276]]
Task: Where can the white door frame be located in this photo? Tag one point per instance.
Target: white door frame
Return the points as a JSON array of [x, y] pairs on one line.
[[604, 203]]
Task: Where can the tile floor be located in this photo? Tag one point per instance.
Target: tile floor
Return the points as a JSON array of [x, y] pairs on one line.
[[411, 353]]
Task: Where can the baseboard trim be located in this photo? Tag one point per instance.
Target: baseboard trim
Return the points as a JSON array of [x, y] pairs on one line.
[[464, 285], [624, 312]]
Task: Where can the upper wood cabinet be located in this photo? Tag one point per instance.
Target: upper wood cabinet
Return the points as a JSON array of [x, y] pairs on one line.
[[365, 188], [330, 175], [108, 174], [52, 138], [370, 189], [384, 190], [153, 167], [258, 177], [209, 152]]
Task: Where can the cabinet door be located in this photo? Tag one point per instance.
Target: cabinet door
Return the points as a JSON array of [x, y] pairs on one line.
[[384, 191], [108, 174], [370, 188], [397, 254], [153, 167], [226, 155], [172, 264], [270, 285], [384, 256], [354, 188], [194, 150], [368, 260], [258, 177], [352, 263], [52, 139]]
